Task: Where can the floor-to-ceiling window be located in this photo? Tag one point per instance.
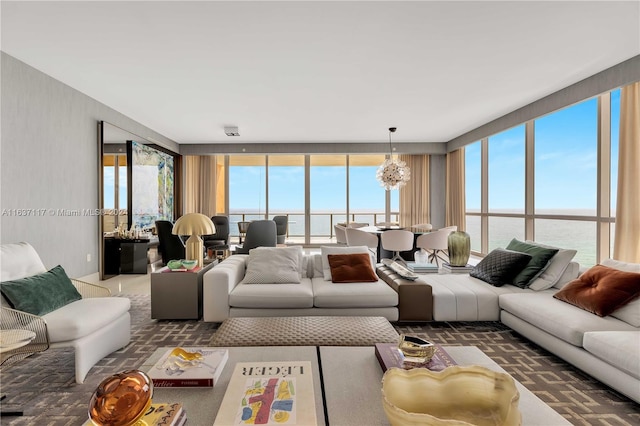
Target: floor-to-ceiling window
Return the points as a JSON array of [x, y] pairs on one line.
[[328, 195], [286, 192], [506, 186], [314, 191], [366, 196], [563, 203]]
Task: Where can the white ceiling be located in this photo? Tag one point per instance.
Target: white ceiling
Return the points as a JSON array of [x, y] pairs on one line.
[[319, 71]]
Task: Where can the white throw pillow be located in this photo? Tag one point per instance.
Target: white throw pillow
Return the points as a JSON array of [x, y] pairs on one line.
[[327, 250], [629, 313], [273, 265], [571, 273], [554, 269]]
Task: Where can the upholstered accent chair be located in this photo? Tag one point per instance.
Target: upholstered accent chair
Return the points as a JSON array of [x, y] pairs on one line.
[[219, 240], [170, 245], [94, 324]]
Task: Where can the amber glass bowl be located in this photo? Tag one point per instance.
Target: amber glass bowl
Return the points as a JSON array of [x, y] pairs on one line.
[[121, 399]]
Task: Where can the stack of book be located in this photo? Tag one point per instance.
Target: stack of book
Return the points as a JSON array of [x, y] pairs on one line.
[[422, 268], [389, 356], [189, 367], [446, 267]]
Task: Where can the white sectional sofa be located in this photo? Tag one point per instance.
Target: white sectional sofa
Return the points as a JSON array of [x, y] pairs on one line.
[[607, 348], [226, 294]]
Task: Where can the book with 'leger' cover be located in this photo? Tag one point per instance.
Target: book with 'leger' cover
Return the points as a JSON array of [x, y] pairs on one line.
[[389, 356]]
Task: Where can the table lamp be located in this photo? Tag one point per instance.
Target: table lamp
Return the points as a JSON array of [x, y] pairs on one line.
[[194, 224]]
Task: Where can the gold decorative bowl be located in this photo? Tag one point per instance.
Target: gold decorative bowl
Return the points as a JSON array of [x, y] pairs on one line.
[[457, 395], [416, 349], [121, 399]]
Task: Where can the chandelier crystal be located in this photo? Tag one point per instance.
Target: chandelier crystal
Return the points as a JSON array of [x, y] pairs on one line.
[[393, 173]]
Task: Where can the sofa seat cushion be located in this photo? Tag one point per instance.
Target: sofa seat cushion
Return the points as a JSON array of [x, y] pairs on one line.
[[558, 318], [84, 316], [618, 348], [353, 295], [460, 297], [272, 295]]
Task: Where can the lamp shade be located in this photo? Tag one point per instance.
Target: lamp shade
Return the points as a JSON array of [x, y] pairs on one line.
[[194, 224]]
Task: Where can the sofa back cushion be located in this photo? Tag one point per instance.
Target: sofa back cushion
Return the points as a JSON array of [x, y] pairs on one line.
[[558, 264], [42, 293], [274, 265], [629, 313], [601, 290], [570, 273]]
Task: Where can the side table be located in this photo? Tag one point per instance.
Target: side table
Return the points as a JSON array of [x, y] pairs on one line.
[[177, 294]]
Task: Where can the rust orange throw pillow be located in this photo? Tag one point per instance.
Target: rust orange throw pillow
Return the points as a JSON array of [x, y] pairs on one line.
[[351, 268], [601, 290]]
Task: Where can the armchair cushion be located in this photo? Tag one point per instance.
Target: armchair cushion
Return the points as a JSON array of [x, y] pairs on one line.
[[42, 293]]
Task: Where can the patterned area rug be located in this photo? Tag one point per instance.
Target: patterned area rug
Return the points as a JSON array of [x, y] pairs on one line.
[[43, 385]]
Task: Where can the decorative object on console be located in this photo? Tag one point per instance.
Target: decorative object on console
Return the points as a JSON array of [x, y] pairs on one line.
[[393, 173], [194, 224], [459, 248], [601, 290], [490, 398], [121, 399]]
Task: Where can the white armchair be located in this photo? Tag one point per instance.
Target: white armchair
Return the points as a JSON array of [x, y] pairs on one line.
[[95, 326]]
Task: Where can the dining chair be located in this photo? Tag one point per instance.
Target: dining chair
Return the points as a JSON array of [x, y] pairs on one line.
[[356, 237], [357, 224], [219, 240], [435, 243], [341, 235], [260, 233], [170, 246], [281, 228], [397, 240]]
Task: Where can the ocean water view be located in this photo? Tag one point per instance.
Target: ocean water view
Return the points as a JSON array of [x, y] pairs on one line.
[[579, 235]]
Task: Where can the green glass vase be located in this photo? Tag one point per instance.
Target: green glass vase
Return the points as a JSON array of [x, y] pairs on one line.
[[459, 245]]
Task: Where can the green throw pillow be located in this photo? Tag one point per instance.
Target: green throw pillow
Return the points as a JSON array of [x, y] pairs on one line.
[[42, 293], [540, 257]]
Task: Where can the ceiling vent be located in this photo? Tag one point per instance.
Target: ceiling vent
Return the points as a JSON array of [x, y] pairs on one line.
[[231, 131]]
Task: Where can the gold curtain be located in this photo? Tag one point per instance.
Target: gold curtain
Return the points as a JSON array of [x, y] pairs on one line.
[[204, 185], [627, 238], [414, 196], [455, 190]]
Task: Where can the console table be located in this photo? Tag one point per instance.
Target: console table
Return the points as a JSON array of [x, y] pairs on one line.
[[177, 294]]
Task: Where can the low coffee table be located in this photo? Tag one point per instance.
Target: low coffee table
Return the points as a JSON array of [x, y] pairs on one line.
[[351, 381]]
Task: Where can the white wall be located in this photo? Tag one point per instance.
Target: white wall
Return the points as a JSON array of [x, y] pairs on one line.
[[49, 161]]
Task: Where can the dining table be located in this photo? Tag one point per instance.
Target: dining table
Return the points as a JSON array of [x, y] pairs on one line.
[[407, 255]]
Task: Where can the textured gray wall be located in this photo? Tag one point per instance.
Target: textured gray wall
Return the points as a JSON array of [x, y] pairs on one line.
[[49, 161]]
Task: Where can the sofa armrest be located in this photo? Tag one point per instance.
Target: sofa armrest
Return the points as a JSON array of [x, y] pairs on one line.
[[415, 299], [88, 290], [217, 283], [12, 319]]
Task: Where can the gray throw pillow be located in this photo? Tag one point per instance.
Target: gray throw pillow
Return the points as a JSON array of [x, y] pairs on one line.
[[41, 293], [540, 257], [272, 265], [500, 266]]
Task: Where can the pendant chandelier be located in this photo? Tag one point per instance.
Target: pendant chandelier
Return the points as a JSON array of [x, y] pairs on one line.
[[393, 173]]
